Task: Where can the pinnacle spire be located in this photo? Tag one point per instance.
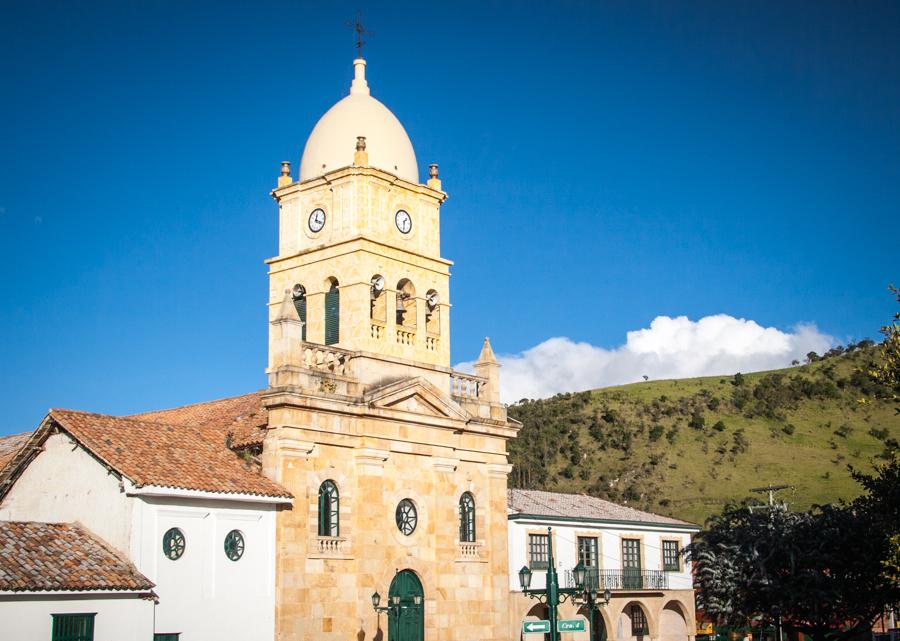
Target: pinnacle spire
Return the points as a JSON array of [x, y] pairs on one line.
[[487, 354]]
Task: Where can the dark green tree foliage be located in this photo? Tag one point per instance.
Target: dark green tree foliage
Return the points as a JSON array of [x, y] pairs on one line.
[[822, 572]]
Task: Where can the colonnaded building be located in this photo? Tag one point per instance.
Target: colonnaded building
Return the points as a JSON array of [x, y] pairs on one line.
[[367, 466]]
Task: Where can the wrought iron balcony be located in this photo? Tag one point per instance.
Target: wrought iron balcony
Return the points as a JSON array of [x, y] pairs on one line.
[[600, 580]]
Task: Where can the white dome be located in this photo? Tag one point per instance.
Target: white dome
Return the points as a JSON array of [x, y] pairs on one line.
[[332, 143]]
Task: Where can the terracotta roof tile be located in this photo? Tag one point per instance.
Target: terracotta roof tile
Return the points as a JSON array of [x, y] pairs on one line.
[[580, 506], [10, 445], [62, 556], [177, 456], [242, 416]]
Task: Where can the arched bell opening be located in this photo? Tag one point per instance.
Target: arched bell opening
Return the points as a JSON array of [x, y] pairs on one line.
[[432, 313], [377, 300], [332, 311], [406, 305]]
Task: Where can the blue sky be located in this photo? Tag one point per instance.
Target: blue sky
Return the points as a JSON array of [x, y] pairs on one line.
[[607, 163]]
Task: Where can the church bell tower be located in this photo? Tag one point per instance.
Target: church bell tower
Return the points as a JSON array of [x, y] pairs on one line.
[[359, 239]]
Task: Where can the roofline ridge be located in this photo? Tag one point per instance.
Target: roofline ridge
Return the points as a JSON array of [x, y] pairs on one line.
[[199, 403]]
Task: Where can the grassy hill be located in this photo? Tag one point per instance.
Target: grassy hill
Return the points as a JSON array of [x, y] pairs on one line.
[[686, 447]]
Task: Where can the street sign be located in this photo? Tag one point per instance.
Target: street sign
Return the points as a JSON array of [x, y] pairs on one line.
[[570, 625], [537, 626]]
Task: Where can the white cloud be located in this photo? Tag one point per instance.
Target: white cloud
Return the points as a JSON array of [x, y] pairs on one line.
[[669, 348]]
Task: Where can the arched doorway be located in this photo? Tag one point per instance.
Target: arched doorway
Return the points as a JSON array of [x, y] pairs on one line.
[[537, 612], [407, 620], [672, 624], [599, 626]]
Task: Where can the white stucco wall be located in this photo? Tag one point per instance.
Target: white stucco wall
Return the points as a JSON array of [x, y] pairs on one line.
[[204, 595], [64, 484], [119, 617], [609, 544]]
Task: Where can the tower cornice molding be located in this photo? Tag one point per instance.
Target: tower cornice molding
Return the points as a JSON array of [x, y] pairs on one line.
[[350, 171]]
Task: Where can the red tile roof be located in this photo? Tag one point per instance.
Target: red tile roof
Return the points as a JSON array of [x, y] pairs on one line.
[[10, 446], [62, 556], [580, 506], [244, 417], [176, 456]]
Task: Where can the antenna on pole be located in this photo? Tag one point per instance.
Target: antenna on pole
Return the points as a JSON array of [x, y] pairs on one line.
[[361, 31], [771, 489]]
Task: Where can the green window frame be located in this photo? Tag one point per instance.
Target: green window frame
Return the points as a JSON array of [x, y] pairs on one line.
[[671, 556], [329, 509], [631, 554], [234, 545], [73, 627], [173, 543], [638, 621], [538, 551], [587, 551], [467, 518], [299, 296], [333, 314], [406, 516], [166, 636]]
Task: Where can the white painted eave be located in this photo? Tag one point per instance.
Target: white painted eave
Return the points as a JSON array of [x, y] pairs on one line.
[[181, 493]]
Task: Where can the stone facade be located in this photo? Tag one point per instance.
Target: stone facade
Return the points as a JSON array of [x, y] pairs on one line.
[[381, 415]]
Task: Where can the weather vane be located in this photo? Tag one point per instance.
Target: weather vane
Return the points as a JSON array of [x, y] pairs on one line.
[[360, 30]]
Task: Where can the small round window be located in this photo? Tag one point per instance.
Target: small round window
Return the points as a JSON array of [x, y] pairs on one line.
[[173, 543], [406, 516], [234, 545]]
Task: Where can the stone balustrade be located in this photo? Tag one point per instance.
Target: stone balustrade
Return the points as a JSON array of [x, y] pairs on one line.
[[331, 545], [327, 359], [467, 385], [376, 330], [405, 337], [431, 343], [469, 550]]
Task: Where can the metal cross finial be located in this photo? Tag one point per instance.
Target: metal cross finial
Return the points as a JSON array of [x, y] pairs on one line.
[[360, 30]]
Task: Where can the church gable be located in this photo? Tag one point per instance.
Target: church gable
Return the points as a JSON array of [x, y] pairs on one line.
[[418, 396]]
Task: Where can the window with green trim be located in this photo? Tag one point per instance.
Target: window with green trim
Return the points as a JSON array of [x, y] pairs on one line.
[[671, 556], [329, 509], [166, 636], [467, 518], [332, 314], [299, 296], [73, 627], [234, 545], [173, 543], [587, 551], [538, 551]]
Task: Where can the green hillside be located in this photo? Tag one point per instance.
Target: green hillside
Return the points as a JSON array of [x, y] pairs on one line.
[[686, 447]]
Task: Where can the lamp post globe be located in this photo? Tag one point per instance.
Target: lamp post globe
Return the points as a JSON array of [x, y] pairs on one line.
[[525, 577], [376, 600]]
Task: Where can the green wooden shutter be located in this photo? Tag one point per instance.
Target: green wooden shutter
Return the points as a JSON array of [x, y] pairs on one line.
[[300, 306], [166, 636], [332, 315], [73, 627]]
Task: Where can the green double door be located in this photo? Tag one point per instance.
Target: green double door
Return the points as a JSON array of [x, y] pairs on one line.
[[407, 621]]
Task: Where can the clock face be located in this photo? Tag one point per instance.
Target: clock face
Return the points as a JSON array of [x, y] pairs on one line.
[[317, 220], [404, 222]]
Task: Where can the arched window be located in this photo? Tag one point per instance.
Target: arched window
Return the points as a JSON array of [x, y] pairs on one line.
[[298, 293], [377, 310], [432, 313], [332, 313], [467, 518], [328, 509], [406, 304]]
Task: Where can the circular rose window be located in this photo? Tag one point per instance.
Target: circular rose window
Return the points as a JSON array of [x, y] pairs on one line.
[[406, 516]]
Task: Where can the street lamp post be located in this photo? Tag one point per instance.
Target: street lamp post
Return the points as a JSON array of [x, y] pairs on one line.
[[553, 595]]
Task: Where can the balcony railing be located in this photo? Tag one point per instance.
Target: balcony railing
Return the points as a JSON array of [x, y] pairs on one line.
[[622, 579]]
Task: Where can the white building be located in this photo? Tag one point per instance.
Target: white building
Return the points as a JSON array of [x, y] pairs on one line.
[[637, 555], [57, 579], [194, 518]]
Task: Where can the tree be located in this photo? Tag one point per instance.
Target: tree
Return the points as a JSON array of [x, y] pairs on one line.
[[812, 570], [887, 372], [882, 503]]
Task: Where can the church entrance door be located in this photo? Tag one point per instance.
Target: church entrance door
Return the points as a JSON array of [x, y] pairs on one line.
[[407, 622]]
